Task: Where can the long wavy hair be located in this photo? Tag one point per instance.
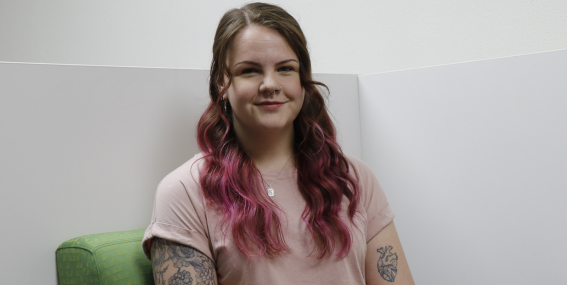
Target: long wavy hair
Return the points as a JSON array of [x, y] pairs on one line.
[[229, 178]]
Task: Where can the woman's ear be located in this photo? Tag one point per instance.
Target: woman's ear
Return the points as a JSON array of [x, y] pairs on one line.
[[304, 103], [221, 82]]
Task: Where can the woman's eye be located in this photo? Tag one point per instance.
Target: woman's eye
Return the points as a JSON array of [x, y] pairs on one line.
[[286, 68], [248, 71]]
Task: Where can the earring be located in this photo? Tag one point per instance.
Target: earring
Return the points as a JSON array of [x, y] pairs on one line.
[[224, 104]]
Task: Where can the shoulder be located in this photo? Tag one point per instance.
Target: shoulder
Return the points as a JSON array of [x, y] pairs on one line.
[[179, 201], [356, 162], [359, 169], [182, 181], [371, 191], [187, 173]]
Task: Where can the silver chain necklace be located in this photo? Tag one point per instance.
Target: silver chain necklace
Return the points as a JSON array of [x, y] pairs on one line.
[[271, 191]]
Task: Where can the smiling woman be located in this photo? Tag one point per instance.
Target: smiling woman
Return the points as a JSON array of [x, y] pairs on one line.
[[265, 93], [271, 198]]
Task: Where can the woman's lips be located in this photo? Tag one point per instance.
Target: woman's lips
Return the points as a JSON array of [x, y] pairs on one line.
[[270, 106]]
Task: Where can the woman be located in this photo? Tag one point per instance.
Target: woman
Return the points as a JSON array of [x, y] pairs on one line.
[[270, 199]]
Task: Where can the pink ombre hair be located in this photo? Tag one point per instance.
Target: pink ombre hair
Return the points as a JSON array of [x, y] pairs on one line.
[[230, 180]]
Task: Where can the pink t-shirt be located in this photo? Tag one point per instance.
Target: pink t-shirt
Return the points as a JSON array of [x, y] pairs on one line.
[[181, 215]]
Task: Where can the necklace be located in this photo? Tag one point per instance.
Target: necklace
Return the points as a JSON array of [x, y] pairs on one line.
[[271, 191]]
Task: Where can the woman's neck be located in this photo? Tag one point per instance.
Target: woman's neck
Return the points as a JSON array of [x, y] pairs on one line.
[[270, 150]]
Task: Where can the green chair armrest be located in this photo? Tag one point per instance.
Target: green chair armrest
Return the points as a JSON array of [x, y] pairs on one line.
[[114, 258]]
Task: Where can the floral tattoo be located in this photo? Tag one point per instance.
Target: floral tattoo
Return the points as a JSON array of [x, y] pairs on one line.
[[182, 257]]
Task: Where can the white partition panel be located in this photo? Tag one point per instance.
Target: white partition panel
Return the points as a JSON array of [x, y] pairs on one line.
[[473, 158], [344, 109], [82, 149]]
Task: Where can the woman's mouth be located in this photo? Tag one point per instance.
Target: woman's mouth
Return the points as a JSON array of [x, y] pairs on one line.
[[270, 106]]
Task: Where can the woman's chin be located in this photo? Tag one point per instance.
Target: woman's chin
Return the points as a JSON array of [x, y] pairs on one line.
[[275, 127]]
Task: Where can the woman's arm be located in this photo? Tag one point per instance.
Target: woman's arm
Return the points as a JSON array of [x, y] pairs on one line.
[[385, 259], [174, 263]]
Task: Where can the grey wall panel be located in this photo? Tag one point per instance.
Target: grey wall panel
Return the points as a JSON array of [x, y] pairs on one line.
[[473, 159], [82, 149]]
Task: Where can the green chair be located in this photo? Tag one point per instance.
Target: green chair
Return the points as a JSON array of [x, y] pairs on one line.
[[113, 258]]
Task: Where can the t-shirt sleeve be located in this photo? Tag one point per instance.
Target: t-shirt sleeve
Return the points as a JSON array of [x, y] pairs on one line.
[[179, 215], [378, 211]]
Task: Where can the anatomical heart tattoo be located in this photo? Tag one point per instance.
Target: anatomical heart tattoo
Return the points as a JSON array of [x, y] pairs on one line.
[[388, 263]]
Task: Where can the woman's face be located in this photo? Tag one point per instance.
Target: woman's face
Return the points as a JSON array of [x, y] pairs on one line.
[[260, 61]]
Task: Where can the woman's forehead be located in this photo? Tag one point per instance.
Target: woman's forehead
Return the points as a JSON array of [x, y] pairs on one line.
[[258, 43]]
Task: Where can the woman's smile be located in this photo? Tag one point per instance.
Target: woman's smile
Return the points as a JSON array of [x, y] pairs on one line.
[[270, 105]]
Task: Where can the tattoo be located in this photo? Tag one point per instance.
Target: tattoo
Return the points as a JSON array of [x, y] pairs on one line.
[[388, 263], [166, 253], [182, 277]]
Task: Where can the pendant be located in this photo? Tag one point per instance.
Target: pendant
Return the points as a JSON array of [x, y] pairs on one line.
[[271, 192]]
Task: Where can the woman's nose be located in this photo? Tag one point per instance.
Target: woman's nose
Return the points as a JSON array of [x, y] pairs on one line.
[[269, 85]]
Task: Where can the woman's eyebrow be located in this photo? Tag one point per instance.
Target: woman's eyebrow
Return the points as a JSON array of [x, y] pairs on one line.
[[286, 61], [248, 62], [259, 65]]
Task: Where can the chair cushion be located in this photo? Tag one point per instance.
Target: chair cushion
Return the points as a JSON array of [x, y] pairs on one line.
[[114, 258]]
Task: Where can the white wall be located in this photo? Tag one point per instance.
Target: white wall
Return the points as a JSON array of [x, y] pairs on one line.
[[473, 159], [355, 37]]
